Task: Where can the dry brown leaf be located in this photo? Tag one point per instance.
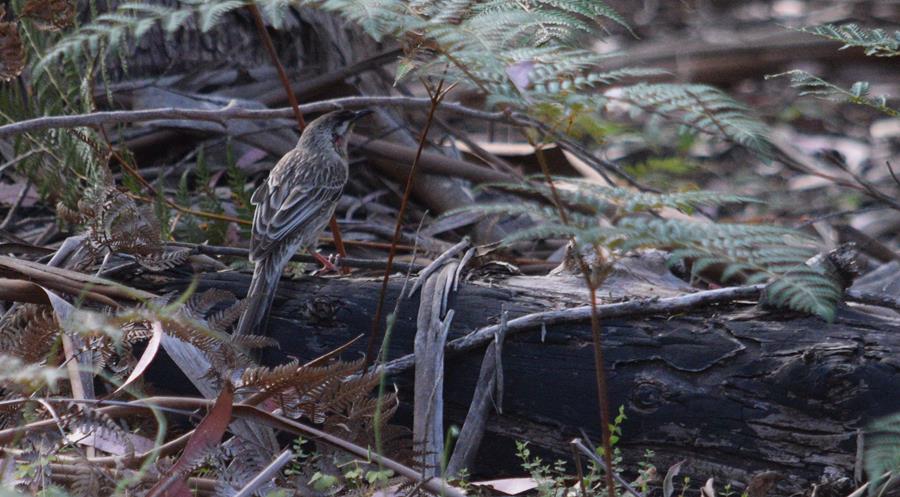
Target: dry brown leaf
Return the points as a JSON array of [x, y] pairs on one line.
[[50, 15], [12, 52]]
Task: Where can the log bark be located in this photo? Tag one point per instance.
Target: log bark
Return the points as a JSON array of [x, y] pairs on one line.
[[730, 395]]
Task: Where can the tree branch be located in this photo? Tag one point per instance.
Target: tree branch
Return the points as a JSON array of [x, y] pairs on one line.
[[232, 111]]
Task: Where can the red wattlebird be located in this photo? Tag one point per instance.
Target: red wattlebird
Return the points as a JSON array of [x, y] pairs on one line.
[[294, 206]]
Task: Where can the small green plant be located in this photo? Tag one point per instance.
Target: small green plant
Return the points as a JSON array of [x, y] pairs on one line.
[[550, 478], [554, 481], [301, 457]]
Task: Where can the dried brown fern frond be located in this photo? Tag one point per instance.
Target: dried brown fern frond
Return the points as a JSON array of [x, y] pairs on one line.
[[83, 479], [115, 223], [201, 321], [299, 389], [12, 52], [335, 396], [354, 413], [29, 332], [50, 15], [253, 341], [164, 260]]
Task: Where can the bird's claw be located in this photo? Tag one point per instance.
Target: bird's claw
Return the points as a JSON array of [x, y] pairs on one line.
[[328, 265]]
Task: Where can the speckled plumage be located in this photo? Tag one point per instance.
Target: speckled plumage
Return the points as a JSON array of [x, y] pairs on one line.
[[293, 206]]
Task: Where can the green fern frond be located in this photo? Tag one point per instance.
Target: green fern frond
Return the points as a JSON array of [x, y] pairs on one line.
[[379, 18], [588, 8], [805, 289], [599, 198], [547, 231], [512, 209], [750, 253], [701, 108], [108, 33], [882, 452], [877, 42], [211, 15], [858, 93], [760, 253]]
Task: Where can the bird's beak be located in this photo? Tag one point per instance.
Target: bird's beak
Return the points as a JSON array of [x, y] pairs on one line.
[[360, 114]]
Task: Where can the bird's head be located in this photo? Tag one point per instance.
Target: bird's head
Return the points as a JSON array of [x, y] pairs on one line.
[[332, 129]]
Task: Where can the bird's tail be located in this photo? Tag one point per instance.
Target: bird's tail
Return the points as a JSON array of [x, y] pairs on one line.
[[259, 298]]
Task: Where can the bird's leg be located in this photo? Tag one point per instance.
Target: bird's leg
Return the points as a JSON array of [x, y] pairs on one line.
[[327, 265]]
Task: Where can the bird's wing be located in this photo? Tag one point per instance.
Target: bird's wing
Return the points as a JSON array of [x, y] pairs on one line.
[[304, 199]]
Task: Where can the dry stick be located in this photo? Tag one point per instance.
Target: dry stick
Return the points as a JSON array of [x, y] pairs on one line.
[[301, 123], [436, 96], [577, 444], [348, 261], [266, 475], [14, 210], [270, 48], [226, 250], [602, 392], [233, 111], [579, 471], [642, 307]]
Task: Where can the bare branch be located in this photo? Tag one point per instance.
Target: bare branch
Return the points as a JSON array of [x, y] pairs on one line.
[[232, 111]]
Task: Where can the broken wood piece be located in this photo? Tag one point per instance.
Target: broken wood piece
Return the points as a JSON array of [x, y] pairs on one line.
[[488, 392], [432, 326]]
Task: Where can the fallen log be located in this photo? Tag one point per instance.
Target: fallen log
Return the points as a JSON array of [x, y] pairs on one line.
[[732, 392]]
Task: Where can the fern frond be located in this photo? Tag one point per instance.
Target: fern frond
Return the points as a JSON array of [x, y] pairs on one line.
[[877, 42], [882, 452], [211, 14], [858, 93], [109, 32], [752, 253], [761, 253], [701, 108], [599, 198]]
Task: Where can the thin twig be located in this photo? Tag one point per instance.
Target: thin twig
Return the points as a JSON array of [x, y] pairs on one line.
[[435, 96], [242, 253], [609, 470], [266, 475], [579, 470], [282, 75], [592, 284], [14, 210]]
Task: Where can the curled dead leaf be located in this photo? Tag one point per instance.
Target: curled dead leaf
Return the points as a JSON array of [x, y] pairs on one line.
[[708, 490], [669, 480], [50, 15]]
